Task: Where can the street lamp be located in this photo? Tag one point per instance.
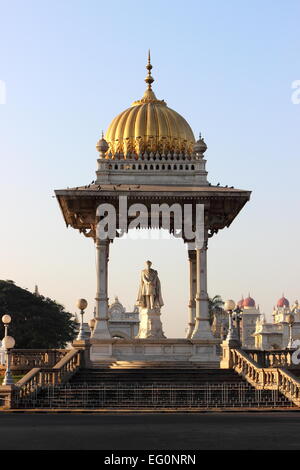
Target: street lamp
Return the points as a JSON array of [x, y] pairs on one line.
[[8, 343], [291, 320], [229, 307], [237, 317], [6, 319], [82, 305]]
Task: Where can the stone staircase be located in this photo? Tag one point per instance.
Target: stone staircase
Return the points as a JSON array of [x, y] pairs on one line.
[[154, 386]]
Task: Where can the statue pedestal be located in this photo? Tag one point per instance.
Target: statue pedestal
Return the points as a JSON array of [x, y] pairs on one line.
[[150, 324]]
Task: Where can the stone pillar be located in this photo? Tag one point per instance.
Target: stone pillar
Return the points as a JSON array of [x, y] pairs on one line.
[[85, 346], [202, 328], [101, 330], [7, 396], [192, 301]]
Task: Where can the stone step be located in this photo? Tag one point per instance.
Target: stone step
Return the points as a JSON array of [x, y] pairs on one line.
[[155, 365], [170, 379], [197, 372], [155, 376]]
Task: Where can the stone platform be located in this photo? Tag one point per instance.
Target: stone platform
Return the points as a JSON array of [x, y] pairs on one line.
[[180, 350]]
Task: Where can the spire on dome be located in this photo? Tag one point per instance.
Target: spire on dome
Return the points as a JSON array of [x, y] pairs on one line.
[[149, 95], [149, 79], [149, 125]]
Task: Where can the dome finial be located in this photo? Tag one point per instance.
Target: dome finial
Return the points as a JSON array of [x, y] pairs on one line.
[[200, 146], [102, 146], [149, 79]]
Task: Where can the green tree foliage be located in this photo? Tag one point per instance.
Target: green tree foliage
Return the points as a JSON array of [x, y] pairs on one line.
[[37, 322], [215, 305]]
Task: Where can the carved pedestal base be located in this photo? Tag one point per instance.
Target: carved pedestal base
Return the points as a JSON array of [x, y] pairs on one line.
[[150, 324]]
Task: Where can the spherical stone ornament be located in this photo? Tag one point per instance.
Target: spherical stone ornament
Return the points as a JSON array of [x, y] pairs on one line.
[[6, 319], [8, 342], [200, 146], [290, 319], [229, 305], [82, 304], [102, 146]]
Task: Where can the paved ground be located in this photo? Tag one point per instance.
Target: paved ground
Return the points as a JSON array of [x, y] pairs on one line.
[[278, 430]]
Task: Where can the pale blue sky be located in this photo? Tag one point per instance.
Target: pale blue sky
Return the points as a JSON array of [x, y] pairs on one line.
[[227, 67]]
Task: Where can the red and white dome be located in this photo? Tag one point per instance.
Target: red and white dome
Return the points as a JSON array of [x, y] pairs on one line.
[[249, 302], [283, 302]]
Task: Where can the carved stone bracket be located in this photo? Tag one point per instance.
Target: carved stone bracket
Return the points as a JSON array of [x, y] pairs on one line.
[[212, 232], [89, 234]]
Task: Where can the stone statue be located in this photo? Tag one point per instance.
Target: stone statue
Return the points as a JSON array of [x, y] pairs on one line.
[[149, 295], [149, 301]]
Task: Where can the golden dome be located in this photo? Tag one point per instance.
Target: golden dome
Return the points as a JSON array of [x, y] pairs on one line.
[[149, 126]]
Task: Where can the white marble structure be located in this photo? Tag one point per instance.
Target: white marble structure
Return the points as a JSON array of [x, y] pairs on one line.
[[150, 324], [149, 154], [121, 324], [275, 335]]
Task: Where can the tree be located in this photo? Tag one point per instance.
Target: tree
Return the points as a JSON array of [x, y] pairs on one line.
[[215, 305], [37, 322]]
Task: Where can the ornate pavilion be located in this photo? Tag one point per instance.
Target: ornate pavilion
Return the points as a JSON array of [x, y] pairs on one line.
[[149, 154]]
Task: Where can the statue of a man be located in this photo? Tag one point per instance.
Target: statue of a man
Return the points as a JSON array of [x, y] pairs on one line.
[[149, 295]]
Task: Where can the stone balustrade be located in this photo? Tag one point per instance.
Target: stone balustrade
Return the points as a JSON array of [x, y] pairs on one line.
[[23, 360], [67, 366], [270, 378], [33, 380], [289, 386], [60, 373], [276, 358], [151, 165]]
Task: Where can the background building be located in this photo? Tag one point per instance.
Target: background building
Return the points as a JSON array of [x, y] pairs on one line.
[[275, 334], [255, 331]]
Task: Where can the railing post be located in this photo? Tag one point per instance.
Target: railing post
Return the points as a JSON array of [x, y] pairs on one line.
[[7, 395], [84, 347], [227, 357]]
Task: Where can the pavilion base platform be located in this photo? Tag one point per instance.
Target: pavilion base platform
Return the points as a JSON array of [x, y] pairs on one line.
[[203, 352]]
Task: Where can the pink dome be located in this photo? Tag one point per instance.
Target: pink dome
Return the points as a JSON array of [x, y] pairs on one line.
[[283, 302], [249, 302], [240, 303]]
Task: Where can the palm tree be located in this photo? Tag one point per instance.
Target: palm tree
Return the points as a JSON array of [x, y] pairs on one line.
[[215, 305]]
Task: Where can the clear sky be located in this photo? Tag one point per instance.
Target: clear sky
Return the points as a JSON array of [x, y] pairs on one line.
[[70, 66]]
